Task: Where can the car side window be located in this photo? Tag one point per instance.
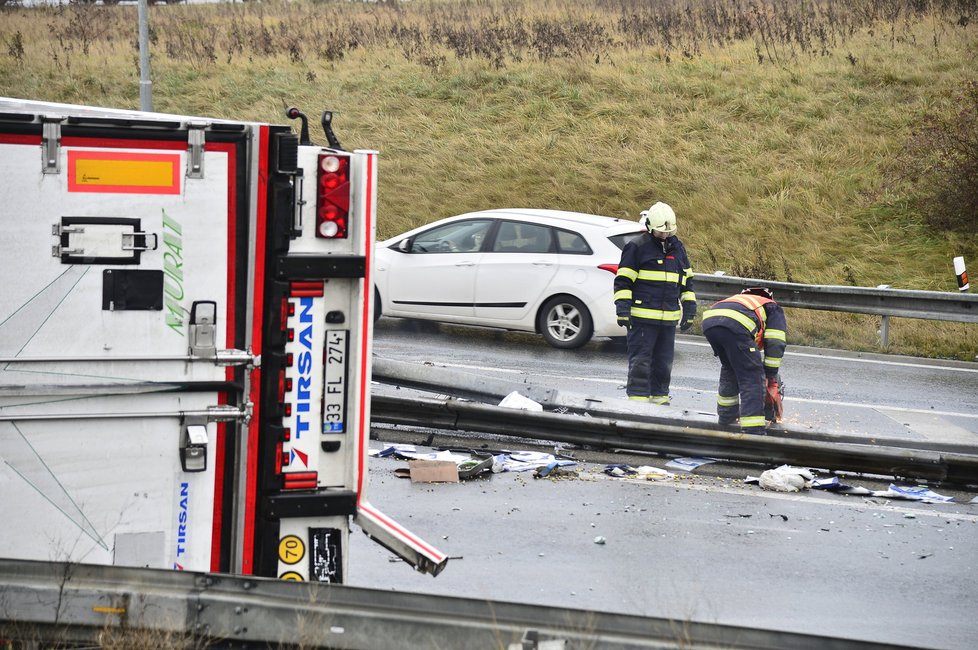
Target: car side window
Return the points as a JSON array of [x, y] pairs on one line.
[[456, 237], [571, 242], [518, 237]]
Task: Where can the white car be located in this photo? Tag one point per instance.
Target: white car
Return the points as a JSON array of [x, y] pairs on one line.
[[545, 271]]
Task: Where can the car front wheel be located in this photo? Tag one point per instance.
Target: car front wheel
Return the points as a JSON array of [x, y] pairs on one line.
[[565, 322]]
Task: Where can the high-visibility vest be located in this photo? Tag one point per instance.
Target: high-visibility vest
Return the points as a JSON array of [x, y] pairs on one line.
[[754, 303]]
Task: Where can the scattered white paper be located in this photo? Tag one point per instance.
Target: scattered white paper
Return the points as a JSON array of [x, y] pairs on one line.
[[516, 401], [688, 464], [653, 473], [920, 493]]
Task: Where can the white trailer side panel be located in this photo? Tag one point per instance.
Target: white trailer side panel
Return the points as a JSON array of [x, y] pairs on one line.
[[92, 418]]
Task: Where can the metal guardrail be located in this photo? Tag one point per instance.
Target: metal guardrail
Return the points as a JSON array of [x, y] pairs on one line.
[[882, 301], [631, 426], [679, 439], [54, 602], [903, 303]]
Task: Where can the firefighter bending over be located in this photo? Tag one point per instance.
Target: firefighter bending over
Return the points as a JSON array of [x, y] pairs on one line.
[[653, 294], [747, 331]]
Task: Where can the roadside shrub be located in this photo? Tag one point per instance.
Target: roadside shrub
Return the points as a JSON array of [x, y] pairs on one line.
[[941, 162]]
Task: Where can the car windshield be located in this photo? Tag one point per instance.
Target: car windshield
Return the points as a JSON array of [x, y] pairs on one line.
[[625, 237]]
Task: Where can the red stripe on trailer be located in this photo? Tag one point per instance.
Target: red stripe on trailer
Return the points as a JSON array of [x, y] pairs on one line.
[[122, 143], [368, 295], [10, 138], [251, 469]]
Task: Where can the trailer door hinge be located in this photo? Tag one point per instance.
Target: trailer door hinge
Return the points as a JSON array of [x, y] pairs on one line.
[[51, 144], [195, 146]]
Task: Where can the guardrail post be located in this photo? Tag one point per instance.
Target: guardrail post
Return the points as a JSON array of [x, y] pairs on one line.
[[884, 324]]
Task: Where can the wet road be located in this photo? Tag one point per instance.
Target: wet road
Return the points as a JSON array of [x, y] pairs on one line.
[[702, 546], [827, 390]]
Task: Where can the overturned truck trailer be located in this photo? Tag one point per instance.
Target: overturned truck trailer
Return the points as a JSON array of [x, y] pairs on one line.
[[185, 344]]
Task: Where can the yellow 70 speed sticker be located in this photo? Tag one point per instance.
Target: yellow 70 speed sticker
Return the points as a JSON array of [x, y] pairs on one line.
[[291, 549]]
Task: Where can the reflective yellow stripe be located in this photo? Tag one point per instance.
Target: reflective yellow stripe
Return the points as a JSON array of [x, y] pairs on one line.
[[687, 296], [752, 421], [772, 362], [774, 334], [731, 313], [656, 314], [626, 272], [660, 399], [728, 401], [624, 294], [636, 398], [658, 276]]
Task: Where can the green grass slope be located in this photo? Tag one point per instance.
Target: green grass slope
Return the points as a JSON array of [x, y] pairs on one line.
[[774, 128]]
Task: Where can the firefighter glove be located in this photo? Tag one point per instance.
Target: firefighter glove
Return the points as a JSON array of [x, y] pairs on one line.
[[625, 321], [689, 313]]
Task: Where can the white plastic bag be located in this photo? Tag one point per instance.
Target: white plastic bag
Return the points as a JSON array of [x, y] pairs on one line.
[[786, 479]]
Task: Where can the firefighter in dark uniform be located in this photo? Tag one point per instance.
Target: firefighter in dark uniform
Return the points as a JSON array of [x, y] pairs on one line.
[[747, 331], [653, 294]]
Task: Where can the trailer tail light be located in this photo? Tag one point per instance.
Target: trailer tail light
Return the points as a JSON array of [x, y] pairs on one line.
[[611, 268], [332, 197]]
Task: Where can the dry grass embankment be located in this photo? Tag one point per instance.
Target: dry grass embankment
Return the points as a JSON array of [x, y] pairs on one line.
[[773, 127]]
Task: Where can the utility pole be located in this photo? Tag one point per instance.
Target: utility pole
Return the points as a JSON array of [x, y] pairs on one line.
[[145, 84]]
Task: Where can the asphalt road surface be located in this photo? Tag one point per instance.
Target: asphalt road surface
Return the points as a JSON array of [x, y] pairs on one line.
[[703, 545]]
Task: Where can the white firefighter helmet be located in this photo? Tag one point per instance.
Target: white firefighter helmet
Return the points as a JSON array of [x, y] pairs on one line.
[[659, 218], [763, 292]]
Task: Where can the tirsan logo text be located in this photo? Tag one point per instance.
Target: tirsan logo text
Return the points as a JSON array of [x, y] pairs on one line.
[[183, 515], [304, 364]]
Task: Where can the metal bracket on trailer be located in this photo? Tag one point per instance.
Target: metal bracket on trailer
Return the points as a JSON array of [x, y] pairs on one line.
[[195, 148], [51, 144]]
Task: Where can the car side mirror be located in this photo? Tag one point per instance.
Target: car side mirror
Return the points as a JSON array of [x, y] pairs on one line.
[[405, 245]]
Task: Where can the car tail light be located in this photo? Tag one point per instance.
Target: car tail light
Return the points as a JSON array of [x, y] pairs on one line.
[[611, 268], [332, 196]]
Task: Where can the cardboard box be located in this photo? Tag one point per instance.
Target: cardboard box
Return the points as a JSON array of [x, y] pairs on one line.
[[433, 471]]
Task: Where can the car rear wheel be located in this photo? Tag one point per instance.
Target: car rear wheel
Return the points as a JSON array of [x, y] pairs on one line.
[[565, 322], [377, 309]]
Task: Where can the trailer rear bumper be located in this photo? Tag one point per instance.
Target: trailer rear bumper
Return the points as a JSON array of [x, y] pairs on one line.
[[400, 541]]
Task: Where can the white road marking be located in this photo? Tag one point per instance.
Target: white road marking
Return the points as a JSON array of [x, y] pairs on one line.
[[788, 400]]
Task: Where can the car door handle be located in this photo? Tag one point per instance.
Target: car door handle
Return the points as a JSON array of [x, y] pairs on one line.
[[542, 263], [465, 263]]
